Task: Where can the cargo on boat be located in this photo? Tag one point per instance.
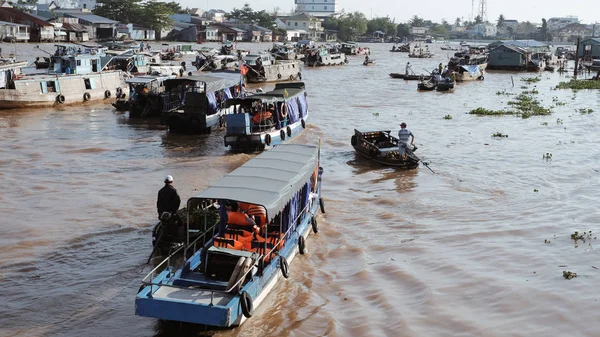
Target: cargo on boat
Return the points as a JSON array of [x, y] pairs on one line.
[[264, 120], [324, 57], [232, 266]]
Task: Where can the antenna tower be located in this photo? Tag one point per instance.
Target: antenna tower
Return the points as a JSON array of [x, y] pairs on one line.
[[483, 10], [472, 10]]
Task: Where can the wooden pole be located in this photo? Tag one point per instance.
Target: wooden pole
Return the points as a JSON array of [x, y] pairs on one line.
[[576, 60]]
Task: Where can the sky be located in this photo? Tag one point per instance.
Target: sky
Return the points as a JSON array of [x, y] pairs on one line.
[[588, 11]]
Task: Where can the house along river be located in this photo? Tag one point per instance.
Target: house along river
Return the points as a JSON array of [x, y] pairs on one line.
[[476, 249]]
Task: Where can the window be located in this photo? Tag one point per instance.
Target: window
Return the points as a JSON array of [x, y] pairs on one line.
[[78, 62], [289, 23], [49, 86], [84, 6], [88, 85], [304, 24], [324, 7], [295, 23]]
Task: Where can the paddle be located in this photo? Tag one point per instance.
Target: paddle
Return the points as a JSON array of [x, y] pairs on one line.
[[426, 164]]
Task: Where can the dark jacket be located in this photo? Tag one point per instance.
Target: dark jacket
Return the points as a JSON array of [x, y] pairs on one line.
[[168, 200]]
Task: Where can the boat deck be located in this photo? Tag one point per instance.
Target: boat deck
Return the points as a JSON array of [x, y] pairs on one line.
[[193, 296]]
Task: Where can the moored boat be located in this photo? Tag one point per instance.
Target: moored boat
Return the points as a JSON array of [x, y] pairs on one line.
[[382, 147], [145, 99], [232, 266], [324, 57], [410, 77], [264, 68], [264, 120], [196, 104], [73, 78], [369, 63]]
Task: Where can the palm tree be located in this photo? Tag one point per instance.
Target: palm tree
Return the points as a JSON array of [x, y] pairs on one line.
[[501, 20], [457, 22]]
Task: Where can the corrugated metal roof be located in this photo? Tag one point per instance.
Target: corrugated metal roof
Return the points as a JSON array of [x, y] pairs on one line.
[[74, 27], [91, 18]]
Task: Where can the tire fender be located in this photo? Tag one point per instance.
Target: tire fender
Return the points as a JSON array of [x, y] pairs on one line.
[[284, 266], [87, 96], [107, 94], [301, 245], [247, 304], [315, 225], [268, 139], [282, 134]]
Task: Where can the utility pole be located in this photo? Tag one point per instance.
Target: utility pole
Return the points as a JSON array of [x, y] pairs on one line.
[[576, 60]]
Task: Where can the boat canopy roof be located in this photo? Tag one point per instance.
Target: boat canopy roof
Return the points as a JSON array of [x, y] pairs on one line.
[[147, 79], [214, 81], [271, 179], [279, 94]]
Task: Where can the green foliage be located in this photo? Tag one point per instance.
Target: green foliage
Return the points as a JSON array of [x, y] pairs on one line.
[[501, 20], [487, 112], [176, 8], [448, 117], [530, 80], [247, 15], [403, 30], [125, 11], [579, 84], [416, 21], [384, 24], [156, 15], [348, 26], [478, 19], [584, 111]]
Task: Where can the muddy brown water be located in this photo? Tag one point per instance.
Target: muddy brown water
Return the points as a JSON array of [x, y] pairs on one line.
[[457, 253]]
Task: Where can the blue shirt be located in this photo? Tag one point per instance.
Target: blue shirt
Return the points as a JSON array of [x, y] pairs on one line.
[[404, 135]]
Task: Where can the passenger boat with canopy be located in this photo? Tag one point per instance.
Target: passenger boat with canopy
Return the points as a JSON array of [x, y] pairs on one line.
[[196, 104], [264, 211], [382, 147], [267, 119]]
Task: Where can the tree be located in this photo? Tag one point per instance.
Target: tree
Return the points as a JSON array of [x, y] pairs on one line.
[[156, 15], [383, 24], [416, 21], [348, 25], [176, 8], [544, 34], [248, 15], [457, 22], [403, 30], [478, 19], [501, 20], [125, 11]]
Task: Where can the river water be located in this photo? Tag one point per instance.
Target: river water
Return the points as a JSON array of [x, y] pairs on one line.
[[476, 249]]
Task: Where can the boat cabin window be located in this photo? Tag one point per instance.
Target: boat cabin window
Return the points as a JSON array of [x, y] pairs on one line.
[[89, 83], [48, 86], [78, 62]]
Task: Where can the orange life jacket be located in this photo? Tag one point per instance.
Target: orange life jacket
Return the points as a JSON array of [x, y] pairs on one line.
[[237, 218], [261, 116]]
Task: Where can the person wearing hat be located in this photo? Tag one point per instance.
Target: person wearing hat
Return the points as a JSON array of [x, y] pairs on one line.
[[168, 199], [407, 68], [403, 136]]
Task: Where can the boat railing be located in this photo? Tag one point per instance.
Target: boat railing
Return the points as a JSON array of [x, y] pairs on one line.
[[148, 280]]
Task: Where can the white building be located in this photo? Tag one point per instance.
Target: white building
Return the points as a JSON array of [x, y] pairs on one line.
[[87, 4], [305, 22], [318, 8], [485, 29], [558, 23]]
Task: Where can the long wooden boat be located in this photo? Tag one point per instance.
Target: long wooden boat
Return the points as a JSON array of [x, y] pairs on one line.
[[369, 63], [410, 77], [382, 147], [264, 68], [232, 266], [144, 99], [469, 73], [73, 78], [196, 104], [264, 120]]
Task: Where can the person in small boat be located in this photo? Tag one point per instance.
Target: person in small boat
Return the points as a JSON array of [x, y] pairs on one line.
[[366, 59], [394, 48], [168, 200], [440, 67], [407, 68], [403, 135]]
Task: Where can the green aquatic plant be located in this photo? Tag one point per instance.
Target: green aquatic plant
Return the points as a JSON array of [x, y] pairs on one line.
[[579, 85], [503, 92], [487, 112], [448, 117], [529, 80], [569, 274], [584, 111], [499, 135]]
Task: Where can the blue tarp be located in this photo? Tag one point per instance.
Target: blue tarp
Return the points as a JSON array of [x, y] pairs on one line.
[[303, 105], [212, 102], [472, 69], [228, 94], [293, 110]]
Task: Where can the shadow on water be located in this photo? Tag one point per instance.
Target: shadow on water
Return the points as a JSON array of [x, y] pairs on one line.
[[164, 328]]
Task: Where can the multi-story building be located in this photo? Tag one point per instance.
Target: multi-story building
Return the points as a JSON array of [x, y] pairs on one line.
[[558, 23], [318, 8]]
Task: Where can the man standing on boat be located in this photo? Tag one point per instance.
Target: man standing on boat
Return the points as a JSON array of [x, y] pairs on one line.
[[168, 200], [407, 68], [403, 136]]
